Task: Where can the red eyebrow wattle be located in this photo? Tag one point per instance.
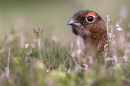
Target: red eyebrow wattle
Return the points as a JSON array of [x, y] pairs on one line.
[[91, 14]]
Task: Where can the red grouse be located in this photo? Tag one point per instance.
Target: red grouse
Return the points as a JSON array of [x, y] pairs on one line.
[[91, 27]]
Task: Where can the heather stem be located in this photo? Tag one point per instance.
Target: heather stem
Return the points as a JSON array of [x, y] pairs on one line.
[[39, 48], [7, 69], [38, 34]]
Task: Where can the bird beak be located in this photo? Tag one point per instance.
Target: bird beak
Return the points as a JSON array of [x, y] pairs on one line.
[[73, 22], [70, 22]]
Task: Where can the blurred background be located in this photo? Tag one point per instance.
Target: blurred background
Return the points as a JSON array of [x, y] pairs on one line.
[[53, 15]]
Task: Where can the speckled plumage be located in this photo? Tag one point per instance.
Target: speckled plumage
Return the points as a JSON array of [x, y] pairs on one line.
[[91, 27]]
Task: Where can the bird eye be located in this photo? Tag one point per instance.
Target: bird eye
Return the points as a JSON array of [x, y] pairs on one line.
[[90, 19]]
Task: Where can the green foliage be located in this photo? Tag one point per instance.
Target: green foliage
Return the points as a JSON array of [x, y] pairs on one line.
[[57, 67]]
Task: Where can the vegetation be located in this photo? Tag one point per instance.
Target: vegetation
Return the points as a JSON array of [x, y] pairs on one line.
[[43, 57], [44, 62]]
